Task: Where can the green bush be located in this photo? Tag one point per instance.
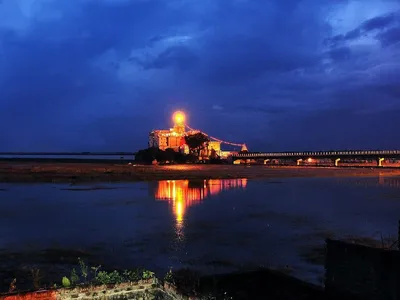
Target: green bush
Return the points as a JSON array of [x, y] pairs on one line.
[[74, 277], [169, 277], [133, 275], [92, 275], [65, 282], [109, 278], [147, 274]]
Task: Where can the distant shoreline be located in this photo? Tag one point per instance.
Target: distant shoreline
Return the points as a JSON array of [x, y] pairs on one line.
[[46, 160], [104, 171]]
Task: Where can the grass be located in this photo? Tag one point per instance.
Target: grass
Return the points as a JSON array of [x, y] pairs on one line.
[[85, 275]]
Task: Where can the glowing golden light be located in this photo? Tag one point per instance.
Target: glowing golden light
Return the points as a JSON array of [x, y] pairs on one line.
[[181, 195], [179, 211], [179, 117], [310, 160]]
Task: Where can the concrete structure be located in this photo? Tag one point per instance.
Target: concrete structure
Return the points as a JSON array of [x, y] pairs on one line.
[[365, 272], [164, 139], [379, 156]]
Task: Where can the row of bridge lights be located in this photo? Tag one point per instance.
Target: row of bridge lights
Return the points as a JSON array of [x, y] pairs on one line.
[[322, 153]]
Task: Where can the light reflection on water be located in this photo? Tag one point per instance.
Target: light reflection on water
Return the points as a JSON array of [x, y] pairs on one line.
[[381, 181], [182, 194], [209, 225]]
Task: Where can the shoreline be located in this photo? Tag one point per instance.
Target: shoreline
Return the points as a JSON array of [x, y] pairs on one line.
[[25, 172], [187, 284]]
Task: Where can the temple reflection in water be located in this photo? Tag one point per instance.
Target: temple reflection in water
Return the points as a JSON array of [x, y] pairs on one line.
[[181, 194]]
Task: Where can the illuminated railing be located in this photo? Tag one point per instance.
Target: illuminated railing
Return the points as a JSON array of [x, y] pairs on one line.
[[318, 154]]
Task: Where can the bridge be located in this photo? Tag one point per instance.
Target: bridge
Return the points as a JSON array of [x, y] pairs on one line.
[[300, 157]]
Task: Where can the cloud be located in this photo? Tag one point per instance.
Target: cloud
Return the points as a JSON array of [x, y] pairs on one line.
[[181, 57], [336, 128], [100, 74], [217, 107], [378, 23], [340, 53], [390, 36]]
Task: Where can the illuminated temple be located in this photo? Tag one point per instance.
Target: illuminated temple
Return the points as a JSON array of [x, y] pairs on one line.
[[174, 138]]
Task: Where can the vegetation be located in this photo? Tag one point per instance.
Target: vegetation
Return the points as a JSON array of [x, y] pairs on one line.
[[84, 269], [94, 276], [86, 275], [169, 277], [65, 282], [213, 154], [169, 155], [74, 277], [197, 142], [147, 156], [36, 277]]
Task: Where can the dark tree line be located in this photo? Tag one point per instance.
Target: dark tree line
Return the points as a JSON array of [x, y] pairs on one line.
[[197, 142], [169, 155]]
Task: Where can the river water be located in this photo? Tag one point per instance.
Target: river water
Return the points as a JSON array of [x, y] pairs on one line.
[[211, 226]]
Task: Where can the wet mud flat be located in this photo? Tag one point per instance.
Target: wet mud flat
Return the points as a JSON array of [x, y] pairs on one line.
[[266, 283], [46, 268], [43, 269], [107, 172], [256, 284]]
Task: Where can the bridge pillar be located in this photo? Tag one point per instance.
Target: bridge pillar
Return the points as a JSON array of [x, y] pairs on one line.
[[236, 162], [299, 161], [265, 161], [337, 162], [380, 161]]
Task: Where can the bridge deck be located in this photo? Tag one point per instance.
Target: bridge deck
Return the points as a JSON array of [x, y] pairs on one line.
[[319, 154]]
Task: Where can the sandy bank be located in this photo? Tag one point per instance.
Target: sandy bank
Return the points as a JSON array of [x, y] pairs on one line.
[[80, 172]]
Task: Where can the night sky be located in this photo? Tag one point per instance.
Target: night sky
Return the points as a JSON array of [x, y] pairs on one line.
[[279, 75]]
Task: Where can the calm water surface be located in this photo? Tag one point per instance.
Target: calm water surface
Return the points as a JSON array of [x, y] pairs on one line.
[[211, 226]]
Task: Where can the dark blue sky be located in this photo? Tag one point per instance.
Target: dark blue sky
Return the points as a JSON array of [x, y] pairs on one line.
[[87, 75]]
